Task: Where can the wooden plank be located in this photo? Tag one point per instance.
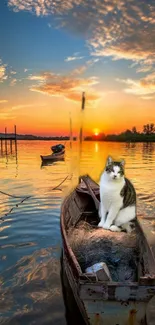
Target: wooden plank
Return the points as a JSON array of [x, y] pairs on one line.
[[81, 200], [116, 291], [147, 229], [91, 186]]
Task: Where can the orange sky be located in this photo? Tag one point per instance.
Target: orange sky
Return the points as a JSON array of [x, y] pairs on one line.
[[45, 68], [113, 113]]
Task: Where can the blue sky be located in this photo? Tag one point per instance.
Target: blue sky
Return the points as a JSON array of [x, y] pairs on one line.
[[52, 51], [29, 42]]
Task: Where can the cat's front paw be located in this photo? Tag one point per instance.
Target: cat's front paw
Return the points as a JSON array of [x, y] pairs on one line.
[[115, 228], [106, 226], [101, 224]]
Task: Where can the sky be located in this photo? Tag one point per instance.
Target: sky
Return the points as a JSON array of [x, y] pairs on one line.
[[53, 50]]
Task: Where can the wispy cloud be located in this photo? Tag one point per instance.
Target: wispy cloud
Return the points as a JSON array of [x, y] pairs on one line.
[[18, 107], [37, 77], [3, 101], [144, 68], [145, 86], [13, 72], [147, 97], [13, 82], [3, 74], [79, 70], [69, 87], [149, 81], [73, 58], [6, 116]]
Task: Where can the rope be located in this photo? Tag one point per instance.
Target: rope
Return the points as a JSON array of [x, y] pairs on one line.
[[31, 196], [14, 196], [24, 198]]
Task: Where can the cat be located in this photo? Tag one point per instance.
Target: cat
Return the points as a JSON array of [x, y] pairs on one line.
[[117, 198]]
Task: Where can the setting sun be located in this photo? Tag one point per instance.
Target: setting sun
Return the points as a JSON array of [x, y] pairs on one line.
[[96, 132]]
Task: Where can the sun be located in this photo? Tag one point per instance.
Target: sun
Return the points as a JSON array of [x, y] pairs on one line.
[[96, 132]]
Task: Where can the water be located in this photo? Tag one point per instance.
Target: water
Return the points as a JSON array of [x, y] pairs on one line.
[[30, 240]]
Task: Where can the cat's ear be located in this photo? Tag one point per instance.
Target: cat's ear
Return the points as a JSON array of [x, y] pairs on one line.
[[109, 160], [122, 162]]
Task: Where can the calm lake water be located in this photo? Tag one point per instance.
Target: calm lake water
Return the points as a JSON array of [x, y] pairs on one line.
[[30, 240]]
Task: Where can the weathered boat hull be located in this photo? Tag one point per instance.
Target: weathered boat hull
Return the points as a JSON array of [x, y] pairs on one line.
[[102, 302], [53, 157], [128, 306], [74, 314]]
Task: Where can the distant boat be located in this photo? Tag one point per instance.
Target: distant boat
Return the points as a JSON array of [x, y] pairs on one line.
[[54, 156], [58, 154], [58, 148]]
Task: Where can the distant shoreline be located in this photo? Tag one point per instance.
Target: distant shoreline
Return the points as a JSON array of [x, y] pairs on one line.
[[92, 140], [132, 138]]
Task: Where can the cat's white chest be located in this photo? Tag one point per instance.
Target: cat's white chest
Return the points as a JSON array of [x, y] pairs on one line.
[[110, 194]]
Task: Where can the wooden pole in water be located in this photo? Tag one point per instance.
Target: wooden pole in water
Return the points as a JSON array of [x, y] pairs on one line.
[[1, 145], [82, 109], [83, 101], [15, 132], [71, 133], [81, 128], [16, 142], [5, 140]]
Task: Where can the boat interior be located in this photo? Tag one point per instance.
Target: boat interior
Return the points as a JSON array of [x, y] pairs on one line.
[[127, 256]]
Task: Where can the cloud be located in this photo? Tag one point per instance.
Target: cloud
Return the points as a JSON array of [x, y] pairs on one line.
[[13, 72], [37, 77], [6, 116], [145, 86], [13, 82], [7, 73], [3, 75], [2, 101], [69, 87], [73, 58], [147, 97], [144, 68], [79, 70], [149, 81], [21, 106], [83, 68], [117, 29]]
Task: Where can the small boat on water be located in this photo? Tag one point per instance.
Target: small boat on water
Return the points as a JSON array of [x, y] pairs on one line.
[[54, 156], [121, 291], [58, 148], [57, 155]]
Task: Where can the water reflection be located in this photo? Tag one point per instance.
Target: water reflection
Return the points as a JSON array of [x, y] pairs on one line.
[[30, 238], [96, 147], [50, 162], [148, 150], [9, 153], [35, 282], [131, 145]]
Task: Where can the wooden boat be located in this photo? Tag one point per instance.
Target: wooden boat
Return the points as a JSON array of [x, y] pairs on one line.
[[100, 299], [58, 148], [54, 156]]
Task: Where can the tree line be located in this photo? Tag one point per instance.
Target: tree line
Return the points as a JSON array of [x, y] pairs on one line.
[[147, 129], [147, 135]]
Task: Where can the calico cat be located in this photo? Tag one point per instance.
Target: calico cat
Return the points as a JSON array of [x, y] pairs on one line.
[[117, 198]]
